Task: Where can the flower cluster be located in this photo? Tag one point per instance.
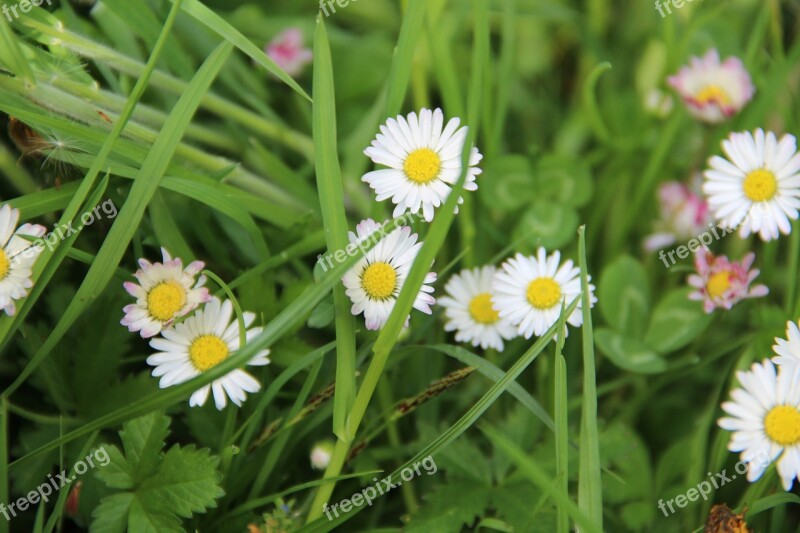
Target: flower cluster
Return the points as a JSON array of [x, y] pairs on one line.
[[167, 292], [755, 188], [484, 306]]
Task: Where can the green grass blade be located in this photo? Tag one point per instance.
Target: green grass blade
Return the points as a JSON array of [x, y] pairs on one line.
[[590, 489], [400, 73], [331, 200], [222, 28], [130, 215]]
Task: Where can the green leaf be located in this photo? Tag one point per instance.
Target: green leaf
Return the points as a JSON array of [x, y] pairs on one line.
[[143, 439], [546, 224], [112, 514], [117, 474], [676, 322], [185, 482], [144, 520], [451, 507], [629, 354], [567, 180], [624, 297], [331, 199], [773, 500]]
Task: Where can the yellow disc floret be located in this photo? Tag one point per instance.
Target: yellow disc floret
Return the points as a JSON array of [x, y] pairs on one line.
[[379, 281], [782, 425], [207, 351], [165, 300], [718, 283], [5, 265], [713, 93], [481, 310], [422, 166], [543, 293], [760, 185]]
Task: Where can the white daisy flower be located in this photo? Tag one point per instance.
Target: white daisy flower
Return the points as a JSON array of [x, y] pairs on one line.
[[529, 291], [765, 420], [167, 291], [200, 343], [424, 160], [17, 256], [758, 186], [374, 283], [470, 312], [788, 350]]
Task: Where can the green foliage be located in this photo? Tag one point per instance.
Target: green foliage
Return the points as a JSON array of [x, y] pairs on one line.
[[157, 487]]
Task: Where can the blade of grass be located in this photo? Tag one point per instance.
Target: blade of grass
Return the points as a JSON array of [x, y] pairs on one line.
[[222, 28], [561, 408], [590, 489], [130, 215], [538, 477], [334, 219], [49, 261], [463, 423]]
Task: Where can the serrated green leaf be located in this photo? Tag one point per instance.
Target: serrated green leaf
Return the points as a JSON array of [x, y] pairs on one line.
[[111, 516], [117, 474], [143, 439], [451, 507], [185, 482], [145, 519]]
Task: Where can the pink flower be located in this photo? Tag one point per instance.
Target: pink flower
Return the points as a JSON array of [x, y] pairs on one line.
[[723, 283], [684, 215], [287, 51], [713, 91]]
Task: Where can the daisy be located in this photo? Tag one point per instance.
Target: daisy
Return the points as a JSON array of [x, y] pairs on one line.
[[758, 186], [167, 291], [529, 292], [374, 283], [17, 256], [200, 343], [684, 215], [470, 312], [287, 51], [424, 160], [713, 91], [765, 420], [721, 283], [788, 350]]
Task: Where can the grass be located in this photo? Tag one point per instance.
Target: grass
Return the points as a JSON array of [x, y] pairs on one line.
[[207, 146]]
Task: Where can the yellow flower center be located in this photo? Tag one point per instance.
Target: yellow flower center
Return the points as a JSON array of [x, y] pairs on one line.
[[481, 310], [782, 425], [713, 93], [5, 265], [379, 281], [543, 293], [165, 300], [207, 351], [718, 283], [422, 166], [760, 185]]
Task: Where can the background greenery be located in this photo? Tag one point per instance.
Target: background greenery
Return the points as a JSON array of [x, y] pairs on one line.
[[217, 162]]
